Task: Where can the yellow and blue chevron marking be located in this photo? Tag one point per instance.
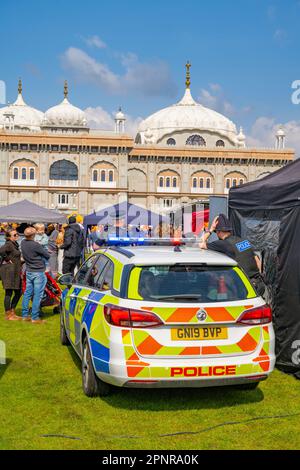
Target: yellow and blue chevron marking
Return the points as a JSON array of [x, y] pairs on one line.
[[100, 355], [76, 316]]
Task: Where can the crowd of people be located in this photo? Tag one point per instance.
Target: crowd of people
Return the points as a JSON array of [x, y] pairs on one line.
[[52, 248], [118, 227], [60, 249]]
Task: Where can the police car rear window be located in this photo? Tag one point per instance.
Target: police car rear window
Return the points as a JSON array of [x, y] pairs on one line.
[[187, 283]]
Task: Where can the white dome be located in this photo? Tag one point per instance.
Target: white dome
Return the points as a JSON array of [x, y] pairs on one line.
[[187, 115], [280, 132], [65, 115], [120, 115], [24, 116]]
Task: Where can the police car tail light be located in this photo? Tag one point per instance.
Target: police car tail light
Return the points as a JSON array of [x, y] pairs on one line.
[[140, 319], [119, 316], [256, 316]]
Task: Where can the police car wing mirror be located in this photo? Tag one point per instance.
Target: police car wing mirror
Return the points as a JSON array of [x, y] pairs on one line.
[[66, 280]]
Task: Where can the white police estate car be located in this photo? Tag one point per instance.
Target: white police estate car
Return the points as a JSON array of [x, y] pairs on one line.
[[158, 317]]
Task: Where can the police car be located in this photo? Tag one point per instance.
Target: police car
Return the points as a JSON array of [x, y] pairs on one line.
[[160, 316]]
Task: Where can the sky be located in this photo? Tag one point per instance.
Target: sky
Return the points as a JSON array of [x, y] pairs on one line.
[[130, 53]]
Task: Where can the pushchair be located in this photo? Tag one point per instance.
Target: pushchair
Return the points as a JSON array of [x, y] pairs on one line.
[[52, 292]]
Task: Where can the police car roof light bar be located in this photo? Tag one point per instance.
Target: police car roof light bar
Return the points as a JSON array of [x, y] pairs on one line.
[[136, 241]]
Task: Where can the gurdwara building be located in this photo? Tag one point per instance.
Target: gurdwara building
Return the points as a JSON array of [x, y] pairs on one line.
[[181, 154]]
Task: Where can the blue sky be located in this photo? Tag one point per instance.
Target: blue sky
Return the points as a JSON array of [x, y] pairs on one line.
[[245, 56]]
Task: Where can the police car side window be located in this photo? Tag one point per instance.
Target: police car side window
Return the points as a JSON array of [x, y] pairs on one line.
[[96, 272], [81, 275], [106, 279]]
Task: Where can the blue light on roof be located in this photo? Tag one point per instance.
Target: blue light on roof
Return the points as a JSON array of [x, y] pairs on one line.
[[125, 241], [141, 241]]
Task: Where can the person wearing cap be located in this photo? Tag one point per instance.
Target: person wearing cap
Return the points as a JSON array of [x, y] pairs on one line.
[[235, 247], [73, 246], [117, 229]]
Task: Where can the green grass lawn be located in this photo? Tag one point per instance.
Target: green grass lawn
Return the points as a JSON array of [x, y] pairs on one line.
[[42, 405]]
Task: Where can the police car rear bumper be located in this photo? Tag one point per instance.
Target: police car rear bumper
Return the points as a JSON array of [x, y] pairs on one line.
[[189, 383], [160, 373]]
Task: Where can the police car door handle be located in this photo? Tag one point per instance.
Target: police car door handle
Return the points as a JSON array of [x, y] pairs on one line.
[[72, 296]]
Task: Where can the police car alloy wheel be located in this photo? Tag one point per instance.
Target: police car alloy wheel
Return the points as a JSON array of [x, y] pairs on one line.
[[92, 386], [63, 335]]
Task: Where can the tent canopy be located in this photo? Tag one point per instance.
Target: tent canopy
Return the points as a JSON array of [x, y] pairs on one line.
[[278, 190], [135, 215], [26, 211]]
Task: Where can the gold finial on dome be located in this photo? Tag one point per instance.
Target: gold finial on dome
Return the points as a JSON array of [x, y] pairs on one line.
[[66, 90], [188, 75], [20, 87]]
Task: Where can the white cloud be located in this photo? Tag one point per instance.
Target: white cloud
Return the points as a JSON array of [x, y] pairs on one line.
[[95, 41], [145, 78], [247, 109], [215, 87], [85, 68], [214, 98], [280, 35], [263, 133], [99, 118]]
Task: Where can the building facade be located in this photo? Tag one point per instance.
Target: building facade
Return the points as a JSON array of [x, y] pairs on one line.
[[179, 155]]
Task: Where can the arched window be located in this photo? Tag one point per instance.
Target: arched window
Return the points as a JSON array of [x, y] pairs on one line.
[[207, 183], [24, 174], [196, 140], [110, 176], [64, 170], [220, 143], [95, 175], [234, 183], [241, 181], [103, 175], [31, 174], [175, 182], [201, 183], [16, 173], [228, 183], [171, 141], [63, 199], [168, 182], [138, 139], [194, 182], [161, 182]]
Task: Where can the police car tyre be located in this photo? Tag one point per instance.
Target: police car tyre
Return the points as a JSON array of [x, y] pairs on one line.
[[249, 386], [63, 335], [92, 386]]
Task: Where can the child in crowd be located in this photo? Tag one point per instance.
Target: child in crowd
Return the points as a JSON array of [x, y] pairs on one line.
[[59, 242], [42, 239], [40, 236]]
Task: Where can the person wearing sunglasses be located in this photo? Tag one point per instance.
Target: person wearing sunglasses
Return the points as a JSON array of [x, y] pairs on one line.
[[10, 274]]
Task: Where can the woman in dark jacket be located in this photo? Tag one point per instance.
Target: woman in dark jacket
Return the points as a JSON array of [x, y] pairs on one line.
[[10, 274]]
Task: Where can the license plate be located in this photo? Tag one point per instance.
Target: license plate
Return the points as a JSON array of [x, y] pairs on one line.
[[198, 333]]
